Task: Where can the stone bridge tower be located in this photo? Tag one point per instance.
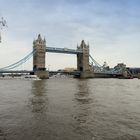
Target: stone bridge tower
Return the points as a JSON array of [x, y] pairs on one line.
[[39, 46], [83, 58], [83, 61]]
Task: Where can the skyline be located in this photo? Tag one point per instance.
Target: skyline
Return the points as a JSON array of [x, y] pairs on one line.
[[111, 28]]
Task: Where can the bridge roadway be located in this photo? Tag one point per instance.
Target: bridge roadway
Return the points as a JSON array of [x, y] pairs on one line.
[[63, 50], [29, 72], [75, 73]]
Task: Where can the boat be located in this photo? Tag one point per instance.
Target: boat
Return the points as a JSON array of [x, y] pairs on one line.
[[22, 77], [60, 75], [31, 77]]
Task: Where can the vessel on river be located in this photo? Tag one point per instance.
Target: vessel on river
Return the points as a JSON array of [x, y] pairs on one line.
[[21, 77]]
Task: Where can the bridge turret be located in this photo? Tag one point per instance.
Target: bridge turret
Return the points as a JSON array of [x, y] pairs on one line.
[[83, 58], [83, 61], [39, 46]]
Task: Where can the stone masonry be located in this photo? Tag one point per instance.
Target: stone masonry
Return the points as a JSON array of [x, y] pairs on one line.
[[39, 46], [83, 58], [83, 61]]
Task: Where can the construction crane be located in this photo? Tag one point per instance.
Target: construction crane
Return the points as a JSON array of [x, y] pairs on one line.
[[2, 25]]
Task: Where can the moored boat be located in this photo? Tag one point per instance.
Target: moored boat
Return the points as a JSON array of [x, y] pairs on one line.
[[22, 77], [31, 77]]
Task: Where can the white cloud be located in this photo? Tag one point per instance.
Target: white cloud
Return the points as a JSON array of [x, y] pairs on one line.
[[111, 32]]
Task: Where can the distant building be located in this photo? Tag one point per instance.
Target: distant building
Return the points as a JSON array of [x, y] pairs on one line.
[[134, 71], [69, 69], [120, 65]]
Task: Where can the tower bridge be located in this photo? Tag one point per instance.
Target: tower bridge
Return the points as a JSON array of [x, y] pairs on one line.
[[85, 68]]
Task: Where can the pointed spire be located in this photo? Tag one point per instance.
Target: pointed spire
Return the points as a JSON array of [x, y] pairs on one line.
[[78, 47], [88, 44], [39, 37], [83, 44], [44, 40]]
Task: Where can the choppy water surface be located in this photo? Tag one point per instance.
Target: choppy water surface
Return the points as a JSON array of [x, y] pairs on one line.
[[70, 109]]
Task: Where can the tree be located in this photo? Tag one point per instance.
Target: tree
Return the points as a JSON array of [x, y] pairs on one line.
[[2, 25]]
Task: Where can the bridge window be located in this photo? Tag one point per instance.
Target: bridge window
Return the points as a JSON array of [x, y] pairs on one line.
[[81, 68], [34, 68]]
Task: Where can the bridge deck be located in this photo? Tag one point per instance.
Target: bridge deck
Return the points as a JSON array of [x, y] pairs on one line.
[[63, 50], [29, 71], [16, 71]]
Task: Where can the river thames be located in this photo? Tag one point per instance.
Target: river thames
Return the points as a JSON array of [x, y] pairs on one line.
[[70, 109]]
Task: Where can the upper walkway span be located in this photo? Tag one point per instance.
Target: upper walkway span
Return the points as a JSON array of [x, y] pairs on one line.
[[63, 50]]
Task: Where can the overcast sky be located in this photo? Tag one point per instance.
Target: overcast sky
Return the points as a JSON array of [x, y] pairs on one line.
[[112, 28]]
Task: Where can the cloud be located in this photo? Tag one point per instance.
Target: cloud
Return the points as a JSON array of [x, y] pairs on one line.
[[111, 27]]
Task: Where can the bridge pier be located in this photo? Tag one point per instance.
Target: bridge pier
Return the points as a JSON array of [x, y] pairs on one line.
[[39, 47], [42, 74], [87, 74], [83, 61]]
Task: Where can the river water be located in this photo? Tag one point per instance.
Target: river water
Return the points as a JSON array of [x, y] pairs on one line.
[[70, 109]]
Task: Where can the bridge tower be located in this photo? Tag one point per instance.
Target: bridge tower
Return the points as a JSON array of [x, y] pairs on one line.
[[39, 46], [83, 61]]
